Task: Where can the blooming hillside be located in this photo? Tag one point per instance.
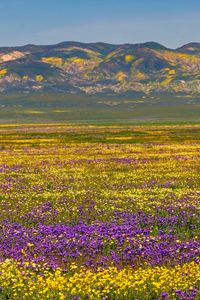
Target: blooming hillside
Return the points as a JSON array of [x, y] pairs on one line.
[[101, 68]]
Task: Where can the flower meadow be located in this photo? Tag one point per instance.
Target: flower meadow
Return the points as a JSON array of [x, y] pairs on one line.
[[99, 212]]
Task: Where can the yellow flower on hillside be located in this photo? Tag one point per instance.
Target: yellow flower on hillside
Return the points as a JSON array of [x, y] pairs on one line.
[[121, 76], [3, 72], [128, 58], [39, 78]]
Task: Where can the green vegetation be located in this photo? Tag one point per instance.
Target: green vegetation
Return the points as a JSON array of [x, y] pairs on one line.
[[64, 108]]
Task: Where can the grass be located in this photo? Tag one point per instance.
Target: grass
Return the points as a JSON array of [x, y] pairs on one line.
[[62, 134], [62, 108]]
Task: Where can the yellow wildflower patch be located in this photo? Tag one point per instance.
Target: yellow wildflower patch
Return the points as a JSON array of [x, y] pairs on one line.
[[128, 58], [121, 76], [3, 72]]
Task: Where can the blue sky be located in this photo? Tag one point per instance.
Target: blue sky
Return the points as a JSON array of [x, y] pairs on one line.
[[170, 22]]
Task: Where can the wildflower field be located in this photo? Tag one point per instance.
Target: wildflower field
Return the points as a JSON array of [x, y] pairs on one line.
[[99, 212]]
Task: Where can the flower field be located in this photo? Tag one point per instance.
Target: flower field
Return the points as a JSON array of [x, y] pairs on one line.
[[94, 212]]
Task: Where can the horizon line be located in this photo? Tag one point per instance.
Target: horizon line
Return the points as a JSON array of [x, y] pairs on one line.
[[99, 42]]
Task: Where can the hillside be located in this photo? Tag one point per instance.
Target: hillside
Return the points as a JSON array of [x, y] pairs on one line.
[[99, 68]]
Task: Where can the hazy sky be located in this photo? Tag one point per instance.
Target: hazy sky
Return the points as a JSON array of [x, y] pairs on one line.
[[170, 22]]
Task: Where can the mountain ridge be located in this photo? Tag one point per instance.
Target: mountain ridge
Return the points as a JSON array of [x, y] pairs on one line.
[[101, 68]]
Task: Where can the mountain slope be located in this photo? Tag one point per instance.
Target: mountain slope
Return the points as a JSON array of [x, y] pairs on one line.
[[94, 68]]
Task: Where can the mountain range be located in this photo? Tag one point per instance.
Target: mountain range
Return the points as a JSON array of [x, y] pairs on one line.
[[100, 68]]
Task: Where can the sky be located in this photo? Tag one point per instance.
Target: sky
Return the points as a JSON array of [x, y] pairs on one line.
[[169, 22]]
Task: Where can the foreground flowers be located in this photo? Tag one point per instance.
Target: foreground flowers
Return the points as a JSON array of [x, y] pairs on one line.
[[26, 281], [112, 220]]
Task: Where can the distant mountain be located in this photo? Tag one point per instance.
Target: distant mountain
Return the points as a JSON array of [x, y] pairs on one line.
[[100, 68], [191, 48]]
